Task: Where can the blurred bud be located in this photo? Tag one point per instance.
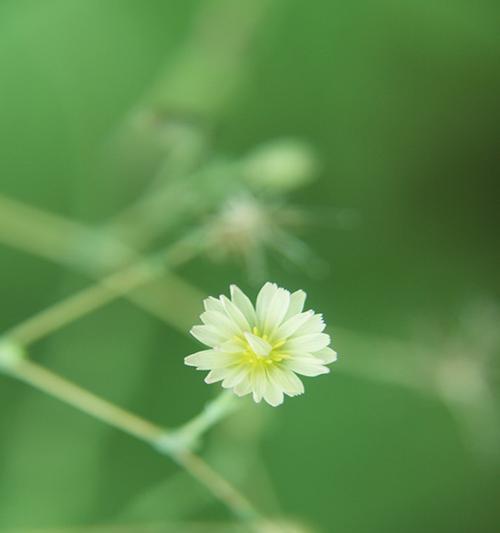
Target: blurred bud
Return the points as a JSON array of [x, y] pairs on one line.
[[281, 166]]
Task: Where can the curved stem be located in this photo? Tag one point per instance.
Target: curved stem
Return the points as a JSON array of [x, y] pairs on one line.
[[78, 397], [188, 435], [14, 364]]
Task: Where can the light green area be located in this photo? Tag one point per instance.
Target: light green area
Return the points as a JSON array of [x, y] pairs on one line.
[[399, 101]]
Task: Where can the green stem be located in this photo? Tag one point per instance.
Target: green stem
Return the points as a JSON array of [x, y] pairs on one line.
[[14, 364], [189, 434], [42, 233], [107, 290], [86, 250], [71, 394]]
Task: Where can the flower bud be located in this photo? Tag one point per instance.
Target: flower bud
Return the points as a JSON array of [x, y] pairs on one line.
[[281, 166]]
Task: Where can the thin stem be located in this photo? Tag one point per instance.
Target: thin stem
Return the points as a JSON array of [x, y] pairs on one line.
[[62, 389], [76, 306], [48, 382], [70, 243], [219, 486], [212, 413], [52, 384], [188, 435], [108, 289], [84, 302], [38, 231]]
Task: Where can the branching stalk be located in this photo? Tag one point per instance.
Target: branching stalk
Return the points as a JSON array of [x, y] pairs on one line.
[[13, 363], [92, 298]]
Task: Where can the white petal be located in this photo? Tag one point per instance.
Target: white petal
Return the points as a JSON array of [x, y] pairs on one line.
[[327, 355], [199, 358], [212, 304], [307, 366], [235, 314], [307, 343], [287, 380], [258, 385], [207, 335], [314, 325], [264, 299], [244, 386], [290, 326], [273, 394], [297, 300], [237, 374], [278, 307], [232, 347], [208, 360], [258, 345], [241, 300], [221, 322], [218, 374]]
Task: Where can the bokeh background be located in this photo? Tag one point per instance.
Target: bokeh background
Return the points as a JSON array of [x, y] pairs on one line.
[[399, 101]]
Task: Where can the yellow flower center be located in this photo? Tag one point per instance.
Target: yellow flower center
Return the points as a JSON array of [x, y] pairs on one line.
[[248, 356]]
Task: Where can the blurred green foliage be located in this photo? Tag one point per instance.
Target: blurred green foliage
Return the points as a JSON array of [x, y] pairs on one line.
[[401, 102]]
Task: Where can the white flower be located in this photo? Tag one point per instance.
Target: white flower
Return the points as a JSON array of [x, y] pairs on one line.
[[260, 349]]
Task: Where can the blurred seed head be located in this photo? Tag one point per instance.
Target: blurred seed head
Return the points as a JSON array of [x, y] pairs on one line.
[[241, 225], [281, 166], [246, 228]]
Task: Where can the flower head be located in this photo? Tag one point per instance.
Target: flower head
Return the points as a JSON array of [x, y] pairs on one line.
[[260, 349]]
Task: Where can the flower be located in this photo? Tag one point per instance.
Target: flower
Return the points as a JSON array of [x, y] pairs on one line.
[[260, 349]]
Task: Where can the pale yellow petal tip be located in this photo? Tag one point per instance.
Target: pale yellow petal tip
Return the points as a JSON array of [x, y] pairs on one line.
[[333, 358], [191, 360], [275, 404], [234, 288]]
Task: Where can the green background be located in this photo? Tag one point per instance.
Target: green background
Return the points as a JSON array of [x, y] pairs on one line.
[[400, 101]]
